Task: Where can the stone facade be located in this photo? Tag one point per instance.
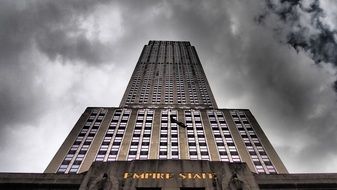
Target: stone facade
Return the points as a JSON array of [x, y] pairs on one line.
[[168, 175]]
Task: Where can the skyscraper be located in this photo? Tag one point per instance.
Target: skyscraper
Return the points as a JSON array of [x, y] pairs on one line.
[[167, 112]]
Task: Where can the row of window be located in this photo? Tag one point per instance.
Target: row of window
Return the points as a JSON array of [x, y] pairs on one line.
[[255, 149], [140, 142], [169, 139], [112, 140], [226, 147], [197, 144], [78, 150]]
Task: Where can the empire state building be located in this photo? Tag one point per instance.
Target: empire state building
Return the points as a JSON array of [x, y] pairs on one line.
[[168, 112]]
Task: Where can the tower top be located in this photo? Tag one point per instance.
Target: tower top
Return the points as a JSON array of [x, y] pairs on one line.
[[168, 74]]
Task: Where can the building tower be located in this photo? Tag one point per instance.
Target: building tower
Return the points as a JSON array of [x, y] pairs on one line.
[[167, 112]]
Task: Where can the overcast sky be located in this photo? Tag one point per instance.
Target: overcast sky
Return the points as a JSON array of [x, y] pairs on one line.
[[274, 57]]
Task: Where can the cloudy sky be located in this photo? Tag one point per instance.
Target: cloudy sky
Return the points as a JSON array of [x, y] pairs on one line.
[[276, 57]]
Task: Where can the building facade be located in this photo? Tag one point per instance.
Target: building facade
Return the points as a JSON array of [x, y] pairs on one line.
[[168, 112]]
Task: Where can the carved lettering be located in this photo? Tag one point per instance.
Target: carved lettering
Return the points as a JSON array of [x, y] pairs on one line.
[[126, 175], [143, 175], [182, 176], [190, 175], [166, 175]]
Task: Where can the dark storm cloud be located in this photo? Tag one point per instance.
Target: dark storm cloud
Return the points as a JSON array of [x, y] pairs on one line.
[[321, 43]]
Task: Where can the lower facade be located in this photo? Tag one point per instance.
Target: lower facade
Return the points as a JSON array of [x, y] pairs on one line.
[[125, 134], [167, 175]]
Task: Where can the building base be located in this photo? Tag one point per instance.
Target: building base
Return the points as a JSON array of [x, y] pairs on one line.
[[167, 175]]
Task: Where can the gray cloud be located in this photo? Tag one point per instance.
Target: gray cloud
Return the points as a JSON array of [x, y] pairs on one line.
[[248, 63], [313, 36], [53, 27]]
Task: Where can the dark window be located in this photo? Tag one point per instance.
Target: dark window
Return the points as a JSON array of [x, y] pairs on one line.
[[268, 163], [65, 162], [77, 162], [257, 163], [222, 122], [81, 134]]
